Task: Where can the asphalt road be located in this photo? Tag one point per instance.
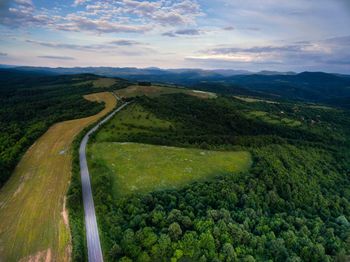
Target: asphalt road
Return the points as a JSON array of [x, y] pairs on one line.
[[93, 239]]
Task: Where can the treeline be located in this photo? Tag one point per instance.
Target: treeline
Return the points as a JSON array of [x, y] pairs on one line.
[[32, 103], [223, 122], [272, 213], [293, 205]]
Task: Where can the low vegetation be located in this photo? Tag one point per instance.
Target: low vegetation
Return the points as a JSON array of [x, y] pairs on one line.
[[274, 119], [104, 82], [140, 168], [156, 90]]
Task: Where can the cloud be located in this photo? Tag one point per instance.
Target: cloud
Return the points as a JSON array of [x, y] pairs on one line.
[[332, 53], [251, 28], [3, 54], [125, 16], [56, 57], [164, 12], [169, 34], [186, 32], [342, 40], [79, 2], [60, 45], [24, 2], [92, 47], [256, 49], [125, 43], [229, 28], [80, 23]]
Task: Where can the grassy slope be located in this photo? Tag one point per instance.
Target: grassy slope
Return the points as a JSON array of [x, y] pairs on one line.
[[153, 91], [31, 203], [144, 168], [102, 82], [273, 119], [133, 119]]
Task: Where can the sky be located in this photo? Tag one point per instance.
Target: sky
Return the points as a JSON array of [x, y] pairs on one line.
[[282, 35]]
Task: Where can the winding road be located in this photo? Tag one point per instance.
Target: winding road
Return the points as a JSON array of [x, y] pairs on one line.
[[93, 239]]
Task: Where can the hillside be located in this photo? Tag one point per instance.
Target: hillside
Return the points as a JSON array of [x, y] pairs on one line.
[[291, 205], [332, 89], [31, 102], [181, 174]]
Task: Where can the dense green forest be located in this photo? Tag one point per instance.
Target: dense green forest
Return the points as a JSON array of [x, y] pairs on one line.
[[292, 205], [30, 103]]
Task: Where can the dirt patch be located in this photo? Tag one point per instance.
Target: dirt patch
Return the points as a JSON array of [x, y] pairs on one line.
[[19, 189], [68, 253], [41, 256], [65, 213]]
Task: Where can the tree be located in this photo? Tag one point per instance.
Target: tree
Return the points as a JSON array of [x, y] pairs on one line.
[[228, 252], [175, 231], [207, 244]]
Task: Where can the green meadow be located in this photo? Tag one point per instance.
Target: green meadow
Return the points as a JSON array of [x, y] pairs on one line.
[[273, 119], [142, 168], [132, 120]]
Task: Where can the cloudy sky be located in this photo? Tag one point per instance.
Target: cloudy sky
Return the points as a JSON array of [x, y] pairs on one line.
[[254, 35]]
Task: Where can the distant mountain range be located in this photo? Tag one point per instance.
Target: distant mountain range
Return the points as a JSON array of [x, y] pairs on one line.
[[133, 71], [318, 87]]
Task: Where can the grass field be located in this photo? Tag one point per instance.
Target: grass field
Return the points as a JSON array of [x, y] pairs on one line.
[[153, 91], [273, 119], [131, 120], [103, 82], [34, 222], [143, 168]]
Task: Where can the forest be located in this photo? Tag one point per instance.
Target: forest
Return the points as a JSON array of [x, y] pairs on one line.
[[292, 205], [31, 103]]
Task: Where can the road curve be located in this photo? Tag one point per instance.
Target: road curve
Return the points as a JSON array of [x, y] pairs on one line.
[[92, 236]]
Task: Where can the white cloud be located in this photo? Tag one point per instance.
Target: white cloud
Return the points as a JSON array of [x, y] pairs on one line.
[[79, 2], [125, 16]]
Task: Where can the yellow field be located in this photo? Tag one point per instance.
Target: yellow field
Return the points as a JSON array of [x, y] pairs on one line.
[[34, 223]]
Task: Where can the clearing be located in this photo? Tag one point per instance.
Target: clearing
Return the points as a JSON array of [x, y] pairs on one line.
[[104, 82], [254, 100], [144, 168], [33, 219], [273, 119], [154, 90], [134, 119]]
